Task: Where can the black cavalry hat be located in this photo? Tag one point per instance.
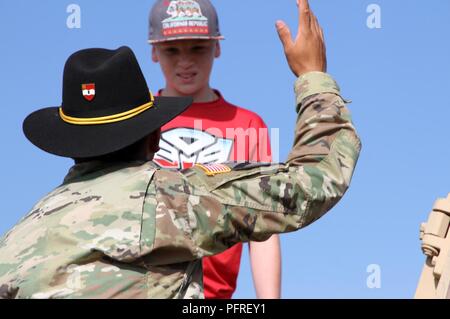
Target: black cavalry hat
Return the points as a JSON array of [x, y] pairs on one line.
[[106, 106]]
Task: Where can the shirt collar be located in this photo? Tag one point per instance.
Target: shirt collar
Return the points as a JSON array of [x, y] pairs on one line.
[[93, 169]]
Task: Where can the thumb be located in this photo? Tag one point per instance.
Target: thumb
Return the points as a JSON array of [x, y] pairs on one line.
[[284, 33]]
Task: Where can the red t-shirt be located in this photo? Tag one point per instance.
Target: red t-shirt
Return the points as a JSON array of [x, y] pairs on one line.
[[215, 132]]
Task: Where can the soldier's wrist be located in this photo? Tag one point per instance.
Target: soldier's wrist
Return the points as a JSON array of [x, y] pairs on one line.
[[315, 82]]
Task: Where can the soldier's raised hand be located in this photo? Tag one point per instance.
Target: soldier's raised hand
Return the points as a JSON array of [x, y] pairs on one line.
[[307, 52]]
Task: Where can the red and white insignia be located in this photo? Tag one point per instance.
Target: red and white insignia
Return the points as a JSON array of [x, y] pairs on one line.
[[88, 91], [214, 169]]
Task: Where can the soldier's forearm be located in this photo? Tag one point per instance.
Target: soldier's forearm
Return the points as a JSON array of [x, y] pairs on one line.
[[326, 146], [322, 115]]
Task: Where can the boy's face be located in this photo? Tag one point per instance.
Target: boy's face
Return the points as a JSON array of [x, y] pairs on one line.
[[186, 64]]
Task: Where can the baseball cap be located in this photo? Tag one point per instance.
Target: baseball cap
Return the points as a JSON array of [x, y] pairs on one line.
[[183, 19]]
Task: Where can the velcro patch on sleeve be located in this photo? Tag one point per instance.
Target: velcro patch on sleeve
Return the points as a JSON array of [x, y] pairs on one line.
[[214, 169]]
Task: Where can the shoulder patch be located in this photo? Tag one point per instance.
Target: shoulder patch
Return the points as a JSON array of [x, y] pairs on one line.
[[214, 169]]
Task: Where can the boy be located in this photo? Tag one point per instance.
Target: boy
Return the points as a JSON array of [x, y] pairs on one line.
[[210, 131]]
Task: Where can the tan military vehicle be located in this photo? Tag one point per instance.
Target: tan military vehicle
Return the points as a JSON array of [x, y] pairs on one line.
[[434, 282]]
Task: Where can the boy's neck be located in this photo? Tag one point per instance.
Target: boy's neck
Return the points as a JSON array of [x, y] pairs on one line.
[[205, 95]]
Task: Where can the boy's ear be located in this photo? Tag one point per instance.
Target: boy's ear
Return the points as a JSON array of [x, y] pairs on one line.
[[218, 49], [154, 55]]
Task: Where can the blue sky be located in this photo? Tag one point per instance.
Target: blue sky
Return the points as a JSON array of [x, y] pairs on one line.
[[396, 76]]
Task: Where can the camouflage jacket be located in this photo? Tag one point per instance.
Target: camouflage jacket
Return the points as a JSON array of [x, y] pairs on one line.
[[134, 231]]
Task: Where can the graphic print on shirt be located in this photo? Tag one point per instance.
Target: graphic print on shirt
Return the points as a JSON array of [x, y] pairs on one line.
[[182, 148]]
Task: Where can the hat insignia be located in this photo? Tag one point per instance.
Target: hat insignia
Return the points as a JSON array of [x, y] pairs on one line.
[[88, 91]]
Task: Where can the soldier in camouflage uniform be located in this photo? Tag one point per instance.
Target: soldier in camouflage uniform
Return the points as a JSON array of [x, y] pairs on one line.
[[126, 229]]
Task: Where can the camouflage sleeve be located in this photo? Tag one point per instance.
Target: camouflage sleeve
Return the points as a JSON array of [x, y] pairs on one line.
[[254, 201]]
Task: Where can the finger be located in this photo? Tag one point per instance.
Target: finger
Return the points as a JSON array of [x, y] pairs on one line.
[[315, 24], [303, 4], [304, 14], [284, 33], [321, 34], [324, 48]]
